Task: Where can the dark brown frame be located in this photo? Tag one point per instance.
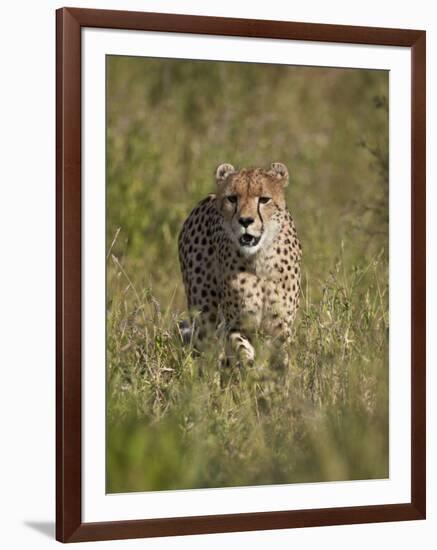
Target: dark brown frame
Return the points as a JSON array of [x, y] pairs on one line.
[[69, 526]]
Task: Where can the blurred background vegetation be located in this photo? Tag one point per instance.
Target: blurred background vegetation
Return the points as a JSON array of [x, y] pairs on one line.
[[172, 422]]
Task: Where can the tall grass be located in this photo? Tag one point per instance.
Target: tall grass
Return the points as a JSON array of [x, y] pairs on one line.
[[174, 420]]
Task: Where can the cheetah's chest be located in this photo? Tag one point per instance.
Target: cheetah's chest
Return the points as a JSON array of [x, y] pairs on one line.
[[276, 264]]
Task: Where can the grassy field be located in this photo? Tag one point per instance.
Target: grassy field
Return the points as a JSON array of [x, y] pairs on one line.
[[173, 421]]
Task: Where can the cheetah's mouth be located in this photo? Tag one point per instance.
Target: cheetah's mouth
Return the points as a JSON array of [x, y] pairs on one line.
[[249, 240]]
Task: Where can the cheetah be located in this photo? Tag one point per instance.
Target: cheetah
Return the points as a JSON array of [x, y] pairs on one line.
[[240, 261]]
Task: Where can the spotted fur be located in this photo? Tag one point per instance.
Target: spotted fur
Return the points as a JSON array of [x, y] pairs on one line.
[[240, 260]]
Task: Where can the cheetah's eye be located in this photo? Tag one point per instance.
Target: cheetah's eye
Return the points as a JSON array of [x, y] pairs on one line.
[[232, 198], [264, 200]]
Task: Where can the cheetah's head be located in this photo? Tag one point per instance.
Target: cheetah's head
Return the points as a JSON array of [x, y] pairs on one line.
[[251, 202]]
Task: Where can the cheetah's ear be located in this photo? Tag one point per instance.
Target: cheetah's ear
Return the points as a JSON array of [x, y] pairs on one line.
[[280, 171], [223, 171]]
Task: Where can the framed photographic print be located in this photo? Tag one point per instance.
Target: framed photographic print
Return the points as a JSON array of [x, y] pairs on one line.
[[240, 274]]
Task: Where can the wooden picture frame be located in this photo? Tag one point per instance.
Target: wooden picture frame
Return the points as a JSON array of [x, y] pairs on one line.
[[69, 524]]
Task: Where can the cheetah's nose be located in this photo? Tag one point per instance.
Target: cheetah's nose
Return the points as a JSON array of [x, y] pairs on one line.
[[245, 222]]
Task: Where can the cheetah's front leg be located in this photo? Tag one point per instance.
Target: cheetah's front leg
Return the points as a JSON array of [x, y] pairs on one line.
[[239, 350], [279, 341], [243, 313]]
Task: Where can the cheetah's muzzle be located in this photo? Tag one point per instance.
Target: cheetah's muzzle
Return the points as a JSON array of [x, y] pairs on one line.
[[249, 240]]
